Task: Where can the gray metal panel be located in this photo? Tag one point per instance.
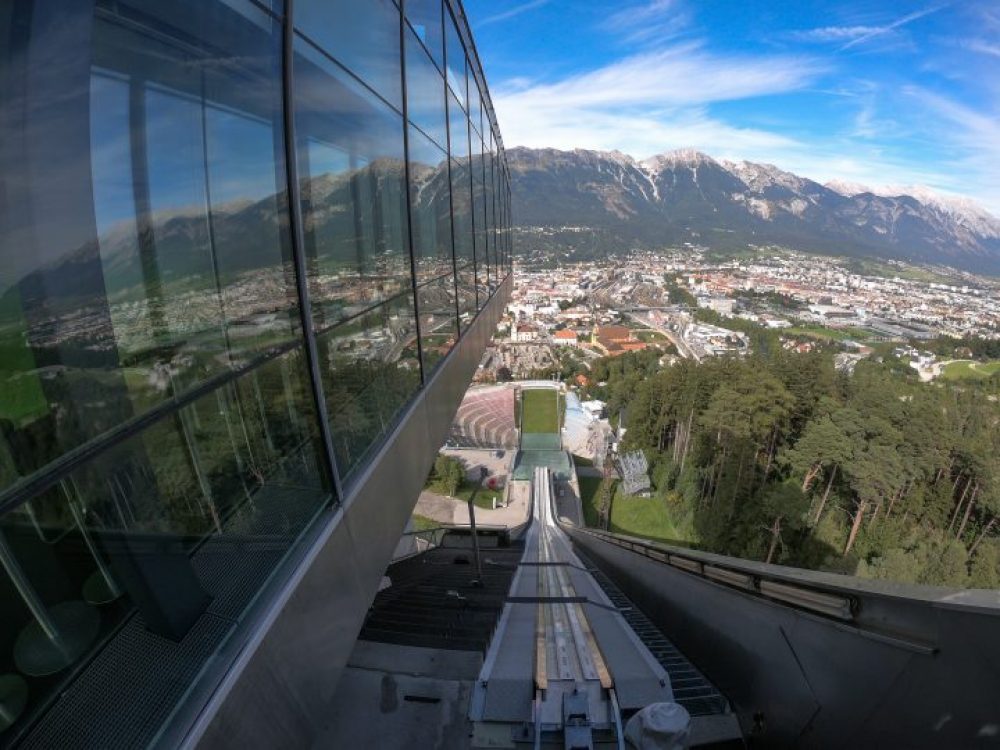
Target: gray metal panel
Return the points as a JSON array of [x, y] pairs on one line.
[[278, 690], [818, 682]]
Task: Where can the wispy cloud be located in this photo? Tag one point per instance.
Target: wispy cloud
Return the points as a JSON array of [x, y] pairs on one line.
[[890, 27], [654, 20], [833, 33], [981, 46], [851, 36], [973, 138], [650, 102], [515, 11], [678, 75]]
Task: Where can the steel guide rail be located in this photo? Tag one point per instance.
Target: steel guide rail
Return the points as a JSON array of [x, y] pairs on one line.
[[837, 606]]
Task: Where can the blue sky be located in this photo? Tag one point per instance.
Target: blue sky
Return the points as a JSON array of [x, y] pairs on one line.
[[877, 93]]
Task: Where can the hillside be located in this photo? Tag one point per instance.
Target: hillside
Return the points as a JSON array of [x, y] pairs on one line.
[[591, 203]]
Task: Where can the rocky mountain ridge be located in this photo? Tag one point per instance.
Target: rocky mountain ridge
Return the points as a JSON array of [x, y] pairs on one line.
[[688, 196]]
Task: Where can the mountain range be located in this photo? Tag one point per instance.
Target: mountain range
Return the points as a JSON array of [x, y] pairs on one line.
[[589, 203]]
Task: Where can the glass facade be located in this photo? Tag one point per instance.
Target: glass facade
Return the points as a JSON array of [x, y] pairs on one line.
[[234, 245]]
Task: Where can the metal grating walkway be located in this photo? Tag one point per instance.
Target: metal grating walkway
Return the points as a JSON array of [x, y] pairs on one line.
[[691, 688], [433, 602]]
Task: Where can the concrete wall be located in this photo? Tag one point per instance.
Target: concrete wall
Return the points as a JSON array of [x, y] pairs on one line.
[[277, 691], [914, 667]]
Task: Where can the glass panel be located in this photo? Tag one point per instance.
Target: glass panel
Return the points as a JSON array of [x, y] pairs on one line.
[[160, 154], [438, 327], [425, 18], [458, 126], [425, 93], [353, 191], [370, 371], [483, 213], [362, 36], [456, 62], [155, 550], [462, 212], [479, 217], [475, 109], [461, 198], [431, 208], [466, 295]]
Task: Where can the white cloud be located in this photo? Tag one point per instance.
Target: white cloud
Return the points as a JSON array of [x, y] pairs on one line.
[[986, 48], [679, 75], [851, 36], [656, 20], [662, 98], [515, 11], [833, 33], [974, 137], [650, 102], [889, 27]]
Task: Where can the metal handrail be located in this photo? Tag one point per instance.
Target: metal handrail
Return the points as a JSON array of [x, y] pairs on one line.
[[824, 602]]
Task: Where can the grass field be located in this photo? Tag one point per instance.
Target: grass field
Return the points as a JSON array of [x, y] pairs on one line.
[[588, 498], [484, 498], [644, 517], [967, 370], [828, 334], [422, 523], [539, 411]]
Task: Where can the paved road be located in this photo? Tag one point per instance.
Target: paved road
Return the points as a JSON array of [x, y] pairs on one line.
[[683, 348]]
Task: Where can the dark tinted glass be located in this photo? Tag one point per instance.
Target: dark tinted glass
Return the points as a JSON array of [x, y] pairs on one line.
[[475, 115], [370, 370], [425, 18], [430, 212], [438, 324], [362, 35], [461, 201], [353, 189], [163, 540], [479, 219], [157, 146], [425, 92], [456, 61], [466, 295]]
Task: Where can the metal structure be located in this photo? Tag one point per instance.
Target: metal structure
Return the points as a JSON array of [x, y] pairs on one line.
[[220, 406], [634, 471], [818, 659], [564, 663]]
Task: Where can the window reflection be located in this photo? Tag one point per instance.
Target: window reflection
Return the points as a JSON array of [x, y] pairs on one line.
[[150, 544], [170, 263], [425, 19], [424, 92], [438, 325], [466, 295], [456, 61], [370, 370], [362, 36], [430, 213], [153, 382], [353, 190]]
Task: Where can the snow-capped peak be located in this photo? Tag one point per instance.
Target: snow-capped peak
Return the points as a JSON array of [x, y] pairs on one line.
[[960, 209], [846, 188], [688, 157], [759, 176]]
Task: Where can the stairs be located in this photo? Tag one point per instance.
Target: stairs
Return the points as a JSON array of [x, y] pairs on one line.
[[433, 601], [691, 689]]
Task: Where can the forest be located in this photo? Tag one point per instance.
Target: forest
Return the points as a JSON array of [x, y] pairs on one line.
[[779, 457]]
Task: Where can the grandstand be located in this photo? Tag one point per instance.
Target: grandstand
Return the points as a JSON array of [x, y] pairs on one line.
[[485, 419]]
